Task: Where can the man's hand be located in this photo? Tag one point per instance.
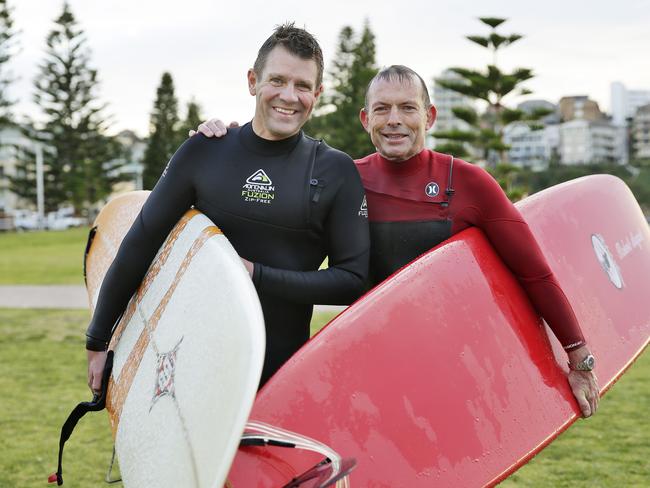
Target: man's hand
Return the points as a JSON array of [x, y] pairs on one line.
[[213, 128], [584, 384], [96, 361]]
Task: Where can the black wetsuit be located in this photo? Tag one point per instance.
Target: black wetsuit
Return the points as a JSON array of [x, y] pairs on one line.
[[282, 207]]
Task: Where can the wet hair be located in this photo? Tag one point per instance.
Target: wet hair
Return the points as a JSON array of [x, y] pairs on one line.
[[402, 74], [298, 42]]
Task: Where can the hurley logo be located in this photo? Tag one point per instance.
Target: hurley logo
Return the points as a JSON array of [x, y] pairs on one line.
[[258, 188], [432, 189]]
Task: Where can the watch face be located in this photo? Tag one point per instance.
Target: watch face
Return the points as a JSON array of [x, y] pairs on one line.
[[587, 364]]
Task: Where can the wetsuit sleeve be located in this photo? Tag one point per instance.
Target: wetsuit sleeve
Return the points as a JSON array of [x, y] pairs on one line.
[[512, 239], [348, 245], [170, 199]]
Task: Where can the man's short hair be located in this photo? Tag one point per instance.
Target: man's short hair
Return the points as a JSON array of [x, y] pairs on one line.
[[298, 42], [402, 74]]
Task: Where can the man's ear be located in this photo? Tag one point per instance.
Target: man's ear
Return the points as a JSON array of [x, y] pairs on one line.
[[318, 92], [252, 81], [431, 116], [363, 117]]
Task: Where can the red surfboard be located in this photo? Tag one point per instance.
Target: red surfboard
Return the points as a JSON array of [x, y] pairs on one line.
[[444, 375]]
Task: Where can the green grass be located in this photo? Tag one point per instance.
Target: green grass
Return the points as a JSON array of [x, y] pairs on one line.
[[42, 258], [42, 376], [611, 449]]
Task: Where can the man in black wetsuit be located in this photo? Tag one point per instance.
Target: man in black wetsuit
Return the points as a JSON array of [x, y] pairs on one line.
[[284, 200]]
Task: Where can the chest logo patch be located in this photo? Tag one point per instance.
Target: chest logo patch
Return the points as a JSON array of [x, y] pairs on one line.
[[258, 188], [432, 189], [363, 210]]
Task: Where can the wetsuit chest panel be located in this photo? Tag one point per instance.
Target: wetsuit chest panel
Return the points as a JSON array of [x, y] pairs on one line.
[[273, 191], [395, 244]]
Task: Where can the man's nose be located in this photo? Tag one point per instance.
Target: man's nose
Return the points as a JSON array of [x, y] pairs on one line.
[[393, 116], [289, 93]]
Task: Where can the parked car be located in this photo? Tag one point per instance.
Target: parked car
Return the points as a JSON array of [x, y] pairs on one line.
[[63, 219], [26, 219], [6, 222]]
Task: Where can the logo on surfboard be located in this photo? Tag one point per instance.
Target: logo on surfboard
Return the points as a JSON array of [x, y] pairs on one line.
[[606, 260], [165, 369], [258, 188], [432, 189]]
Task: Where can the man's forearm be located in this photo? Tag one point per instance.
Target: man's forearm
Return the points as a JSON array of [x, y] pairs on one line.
[[332, 286]]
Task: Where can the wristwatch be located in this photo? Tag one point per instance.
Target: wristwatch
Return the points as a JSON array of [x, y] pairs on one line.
[[586, 364]]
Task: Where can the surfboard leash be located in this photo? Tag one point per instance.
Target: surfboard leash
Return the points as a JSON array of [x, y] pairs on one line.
[[95, 405]]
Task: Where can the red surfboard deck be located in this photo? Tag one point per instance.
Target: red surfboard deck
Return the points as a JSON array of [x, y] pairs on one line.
[[444, 375]]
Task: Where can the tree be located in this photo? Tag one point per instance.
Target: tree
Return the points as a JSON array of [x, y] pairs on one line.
[[491, 86], [80, 161], [192, 119], [163, 132], [337, 121], [7, 46]]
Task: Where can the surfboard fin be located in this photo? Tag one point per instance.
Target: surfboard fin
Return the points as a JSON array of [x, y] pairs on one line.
[[321, 475], [333, 470]]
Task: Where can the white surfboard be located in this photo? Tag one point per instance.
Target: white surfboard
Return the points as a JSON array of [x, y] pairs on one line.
[[188, 353]]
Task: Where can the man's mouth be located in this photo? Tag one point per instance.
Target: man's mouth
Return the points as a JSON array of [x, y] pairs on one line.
[[394, 137], [285, 111]]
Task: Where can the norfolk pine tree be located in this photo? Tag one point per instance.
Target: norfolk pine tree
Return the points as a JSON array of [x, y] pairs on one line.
[[80, 161], [191, 121], [164, 136], [490, 86], [7, 46], [352, 69]]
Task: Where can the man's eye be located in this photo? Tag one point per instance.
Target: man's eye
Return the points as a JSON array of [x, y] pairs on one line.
[[303, 88], [276, 81], [410, 108], [380, 109]]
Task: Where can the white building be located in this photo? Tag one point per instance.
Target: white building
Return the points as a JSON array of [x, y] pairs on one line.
[[585, 142], [10, 139], [445, 100], [640, 132], [135, 148], [624, 102], [531, 148]]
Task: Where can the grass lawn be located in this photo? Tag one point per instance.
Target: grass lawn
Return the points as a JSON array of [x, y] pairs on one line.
[[43, 257], [42, 376]]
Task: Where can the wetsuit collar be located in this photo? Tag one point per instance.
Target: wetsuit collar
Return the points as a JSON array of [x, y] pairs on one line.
[[265, 147], [409, 166]]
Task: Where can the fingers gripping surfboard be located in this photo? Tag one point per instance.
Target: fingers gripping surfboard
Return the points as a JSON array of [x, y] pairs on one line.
[[444, 375], [188, 352]]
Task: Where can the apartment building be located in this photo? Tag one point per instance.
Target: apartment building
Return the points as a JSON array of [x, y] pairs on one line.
[[640, 132]]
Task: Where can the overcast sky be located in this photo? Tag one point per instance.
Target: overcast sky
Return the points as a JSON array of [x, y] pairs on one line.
[[574, 47]]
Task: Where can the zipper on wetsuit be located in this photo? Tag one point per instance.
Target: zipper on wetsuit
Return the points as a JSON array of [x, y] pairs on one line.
[[318, 187]]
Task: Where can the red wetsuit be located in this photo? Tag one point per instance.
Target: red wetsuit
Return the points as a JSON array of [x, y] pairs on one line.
[[415, 204]]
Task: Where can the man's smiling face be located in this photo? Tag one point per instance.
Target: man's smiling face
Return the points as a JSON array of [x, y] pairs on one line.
[[396, 118], [285, 94]]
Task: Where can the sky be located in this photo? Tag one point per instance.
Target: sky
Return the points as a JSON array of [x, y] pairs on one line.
[[574, 47]]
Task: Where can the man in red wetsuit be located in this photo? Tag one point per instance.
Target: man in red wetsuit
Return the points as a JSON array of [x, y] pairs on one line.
[[416, 198]]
